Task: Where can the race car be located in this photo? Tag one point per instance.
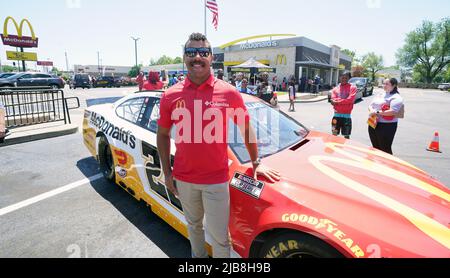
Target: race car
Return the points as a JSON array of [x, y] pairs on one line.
[[336, 197]]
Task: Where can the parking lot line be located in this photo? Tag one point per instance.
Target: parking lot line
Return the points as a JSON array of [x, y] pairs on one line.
[[48, 194]]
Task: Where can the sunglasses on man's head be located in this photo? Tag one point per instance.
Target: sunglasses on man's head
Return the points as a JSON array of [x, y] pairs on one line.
[[191, 52]]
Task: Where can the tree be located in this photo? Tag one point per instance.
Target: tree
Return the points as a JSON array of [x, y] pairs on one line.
[[178, 60], [356, 61], [372, 64], [7, 68], [134, 71], [427, 49]]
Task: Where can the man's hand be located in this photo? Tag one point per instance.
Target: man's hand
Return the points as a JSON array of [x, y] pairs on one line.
[[270, 174], [372, 112], [171, 185]]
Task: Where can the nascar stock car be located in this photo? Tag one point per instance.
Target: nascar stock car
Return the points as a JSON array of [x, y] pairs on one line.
[[336, 197]]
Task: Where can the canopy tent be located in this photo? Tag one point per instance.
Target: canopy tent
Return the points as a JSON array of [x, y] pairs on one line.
[[252, 66]]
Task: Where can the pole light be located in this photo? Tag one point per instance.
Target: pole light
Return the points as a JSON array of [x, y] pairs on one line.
[[135, 49]]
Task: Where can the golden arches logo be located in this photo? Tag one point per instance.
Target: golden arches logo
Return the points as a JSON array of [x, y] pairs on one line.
[[19, 27], [280, 58], [19, 40], [181, 104], [429, 226]]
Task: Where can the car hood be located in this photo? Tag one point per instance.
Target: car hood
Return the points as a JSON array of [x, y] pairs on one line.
[[369, 191]]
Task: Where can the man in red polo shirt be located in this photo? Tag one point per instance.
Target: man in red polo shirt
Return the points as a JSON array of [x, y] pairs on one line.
[[200, 108]]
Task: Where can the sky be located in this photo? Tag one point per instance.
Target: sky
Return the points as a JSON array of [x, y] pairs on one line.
[[82, 28]]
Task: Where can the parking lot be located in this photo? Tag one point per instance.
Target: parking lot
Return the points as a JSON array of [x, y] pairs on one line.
[[76, 213]]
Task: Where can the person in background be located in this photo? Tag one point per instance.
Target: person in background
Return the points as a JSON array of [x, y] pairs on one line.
[[342, 99], [140, 80], [263, 90], [291, 90], [3, 130], [220, 74], [238, 81], [317, 84], [244, 89], [173, 80], [153, 83], [275, 83], [386, 107], [284, 84]]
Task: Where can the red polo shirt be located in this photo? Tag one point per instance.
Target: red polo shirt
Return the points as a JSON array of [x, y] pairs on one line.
[[201, 130]]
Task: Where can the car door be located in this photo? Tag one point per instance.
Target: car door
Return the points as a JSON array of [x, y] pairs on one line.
[[150, 155], [25, 80], [143, 112], [41, 80]]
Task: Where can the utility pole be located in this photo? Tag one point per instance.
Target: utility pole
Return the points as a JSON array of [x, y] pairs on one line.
[[67, 62], [98, 61], [135, 49]]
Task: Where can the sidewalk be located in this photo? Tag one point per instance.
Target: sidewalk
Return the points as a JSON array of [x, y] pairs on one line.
[[283, 97], [38, 132]]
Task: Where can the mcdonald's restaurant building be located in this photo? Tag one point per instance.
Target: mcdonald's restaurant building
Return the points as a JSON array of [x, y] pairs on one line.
[[295, 56]]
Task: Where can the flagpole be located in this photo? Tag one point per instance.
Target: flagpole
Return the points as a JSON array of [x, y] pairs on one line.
[[205, 15]]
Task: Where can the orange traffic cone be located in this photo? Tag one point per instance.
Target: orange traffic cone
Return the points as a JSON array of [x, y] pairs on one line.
[[434, 145]]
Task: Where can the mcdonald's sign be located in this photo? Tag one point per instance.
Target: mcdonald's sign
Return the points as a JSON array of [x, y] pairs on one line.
[[281, 59], [18, 40]]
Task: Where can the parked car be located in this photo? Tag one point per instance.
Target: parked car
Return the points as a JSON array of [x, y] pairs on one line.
[[107, 81], [33, 79], [81, 80], [359, 94], [444, 86], [7, 74], [364, 85]]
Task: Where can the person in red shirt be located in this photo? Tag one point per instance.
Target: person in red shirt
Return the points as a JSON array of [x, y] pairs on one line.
[[201, 162], [140, 80], [153, 83], [342, 99]]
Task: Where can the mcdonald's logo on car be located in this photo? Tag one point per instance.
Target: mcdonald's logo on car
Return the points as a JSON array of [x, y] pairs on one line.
[[18, 40], [281, 59], [181, 104]]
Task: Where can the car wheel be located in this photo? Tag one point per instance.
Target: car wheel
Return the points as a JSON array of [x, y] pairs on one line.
[[365, 92], [297, 245], [106, 159]]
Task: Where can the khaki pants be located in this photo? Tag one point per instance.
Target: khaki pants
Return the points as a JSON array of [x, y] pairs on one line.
[[212, 201]]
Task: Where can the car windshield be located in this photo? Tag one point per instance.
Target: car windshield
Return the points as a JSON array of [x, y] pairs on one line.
[[275, 132], [357, 81]]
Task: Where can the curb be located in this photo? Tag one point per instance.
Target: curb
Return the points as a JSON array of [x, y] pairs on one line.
[[39, 136]]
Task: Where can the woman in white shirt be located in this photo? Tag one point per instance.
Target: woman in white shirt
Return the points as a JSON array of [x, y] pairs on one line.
[[386, 107]]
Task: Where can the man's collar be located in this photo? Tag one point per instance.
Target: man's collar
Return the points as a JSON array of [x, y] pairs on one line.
[[209, 82]]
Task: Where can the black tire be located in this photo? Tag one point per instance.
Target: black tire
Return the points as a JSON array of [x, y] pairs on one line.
[[297, 245], [106, 160], [365, 92]]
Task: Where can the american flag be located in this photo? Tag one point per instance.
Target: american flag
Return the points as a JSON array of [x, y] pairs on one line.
[[212, 6]]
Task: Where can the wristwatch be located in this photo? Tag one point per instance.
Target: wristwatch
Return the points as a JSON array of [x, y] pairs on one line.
[[256, 162]]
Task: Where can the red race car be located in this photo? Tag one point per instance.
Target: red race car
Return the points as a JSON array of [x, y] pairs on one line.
[[336, 198]]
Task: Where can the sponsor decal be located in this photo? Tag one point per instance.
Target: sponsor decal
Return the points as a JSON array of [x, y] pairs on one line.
[[121, 172], [326, 225], [181, 104], [429, 226], [121, 157], [247, 184], [216, 104], [113, 131]]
